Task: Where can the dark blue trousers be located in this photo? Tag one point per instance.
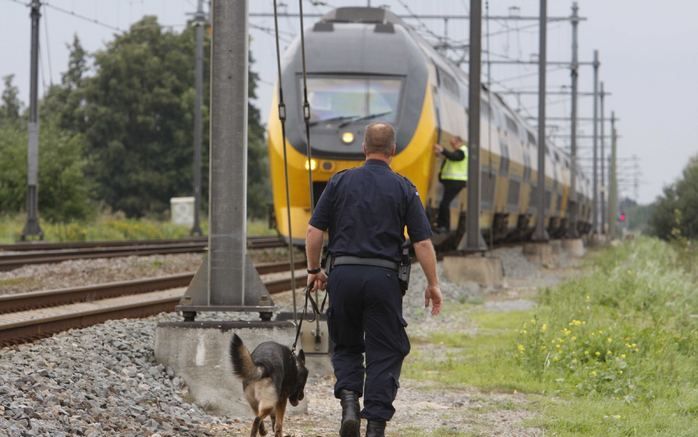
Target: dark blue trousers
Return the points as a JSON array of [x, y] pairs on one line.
[[365, 316]]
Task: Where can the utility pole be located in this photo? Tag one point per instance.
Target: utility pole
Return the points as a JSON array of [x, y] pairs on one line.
[[31, 227], [595, 194], [602, 161], [474, 241], [228, 157], [613, 177], [200, 22], [574, 74], [540, 234]]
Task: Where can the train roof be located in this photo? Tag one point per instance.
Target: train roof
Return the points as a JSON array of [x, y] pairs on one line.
[[354, 14]]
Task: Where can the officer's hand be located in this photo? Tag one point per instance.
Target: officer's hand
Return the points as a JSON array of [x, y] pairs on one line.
[[433, 294], [438, 148], [317, 281]]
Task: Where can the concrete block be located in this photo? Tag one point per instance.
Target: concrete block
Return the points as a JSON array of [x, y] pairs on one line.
[[198, 352], [541, 253], [485, 270], [574, 247], [555, 246], [597, 240]]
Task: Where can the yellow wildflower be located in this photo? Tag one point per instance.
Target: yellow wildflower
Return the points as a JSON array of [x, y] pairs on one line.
[[521, 348]]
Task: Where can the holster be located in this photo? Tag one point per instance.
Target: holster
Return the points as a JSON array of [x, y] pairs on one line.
[[403, 272]]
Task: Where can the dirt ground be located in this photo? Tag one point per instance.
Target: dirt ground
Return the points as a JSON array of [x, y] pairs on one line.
[[421, 407]]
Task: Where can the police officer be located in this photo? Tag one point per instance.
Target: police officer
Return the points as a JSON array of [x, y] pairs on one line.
[[366, 210], [453, 177]]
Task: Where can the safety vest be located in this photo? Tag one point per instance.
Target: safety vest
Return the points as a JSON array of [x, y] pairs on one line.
[[456, 170]]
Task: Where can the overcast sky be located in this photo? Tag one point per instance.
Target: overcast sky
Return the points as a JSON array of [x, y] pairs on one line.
[[647, 48]]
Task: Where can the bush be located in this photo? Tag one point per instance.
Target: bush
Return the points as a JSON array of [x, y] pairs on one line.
[[675, 213], [628, 331], [64, 193]]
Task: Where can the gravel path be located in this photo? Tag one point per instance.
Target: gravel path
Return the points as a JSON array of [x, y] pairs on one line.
[[103, 380]]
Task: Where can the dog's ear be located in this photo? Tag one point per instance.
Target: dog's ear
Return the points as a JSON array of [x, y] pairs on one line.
[[301, 357], [237, 341]]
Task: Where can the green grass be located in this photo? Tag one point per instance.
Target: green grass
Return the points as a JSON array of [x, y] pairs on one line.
[[613, 352], [12, 281], [112, 227], [484, 359]]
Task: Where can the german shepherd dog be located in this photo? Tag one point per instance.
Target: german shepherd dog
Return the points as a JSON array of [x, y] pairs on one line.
[[270, 377]]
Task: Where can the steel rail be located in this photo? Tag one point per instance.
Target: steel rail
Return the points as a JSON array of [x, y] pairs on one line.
[[46, 298], [28, 330], [252, 243], [37, 327], [55, 255]]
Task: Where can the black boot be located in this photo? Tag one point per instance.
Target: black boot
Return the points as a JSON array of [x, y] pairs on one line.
[[351, 423], [375, 428]]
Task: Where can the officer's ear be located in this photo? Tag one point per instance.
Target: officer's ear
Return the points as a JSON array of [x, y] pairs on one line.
[[363, 148], [393, 150]]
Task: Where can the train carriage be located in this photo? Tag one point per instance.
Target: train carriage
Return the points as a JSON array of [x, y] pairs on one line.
[[366, 65]]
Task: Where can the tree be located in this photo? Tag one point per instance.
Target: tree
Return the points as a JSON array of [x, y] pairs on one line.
[[11, 105], [64, 194], [65, 101], [138, 120], [137, 112], [258, 189], [676, 211]]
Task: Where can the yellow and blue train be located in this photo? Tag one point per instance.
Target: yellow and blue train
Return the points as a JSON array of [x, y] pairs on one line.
[[365, 65]]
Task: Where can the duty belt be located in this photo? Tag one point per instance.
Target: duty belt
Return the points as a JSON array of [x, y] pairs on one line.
[[358, 261]]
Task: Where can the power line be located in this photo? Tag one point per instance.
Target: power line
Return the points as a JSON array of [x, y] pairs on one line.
[[83, 17], [48, 48]]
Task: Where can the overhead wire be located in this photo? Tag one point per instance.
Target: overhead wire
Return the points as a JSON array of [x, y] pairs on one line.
[[48, 47], [308, 149], [282, 120], [83, 17]]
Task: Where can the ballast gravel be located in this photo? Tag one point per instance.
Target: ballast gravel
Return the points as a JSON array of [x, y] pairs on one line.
[[104, 381], [76, 273]]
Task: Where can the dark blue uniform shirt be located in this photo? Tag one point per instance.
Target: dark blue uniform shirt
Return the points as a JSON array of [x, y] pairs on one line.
[[366, 210]]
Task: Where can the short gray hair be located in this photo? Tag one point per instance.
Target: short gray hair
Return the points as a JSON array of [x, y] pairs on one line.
[[379, 138]]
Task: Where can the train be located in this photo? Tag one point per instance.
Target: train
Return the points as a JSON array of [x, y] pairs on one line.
[[366, 64]]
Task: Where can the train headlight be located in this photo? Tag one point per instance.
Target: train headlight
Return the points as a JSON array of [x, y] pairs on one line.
[[347, 137], [312, 166]]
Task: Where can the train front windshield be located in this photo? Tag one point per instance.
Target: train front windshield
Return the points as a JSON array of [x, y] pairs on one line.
[[353, 99]]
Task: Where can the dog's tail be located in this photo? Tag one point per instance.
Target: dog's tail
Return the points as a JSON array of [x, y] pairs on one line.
[[243, 366]]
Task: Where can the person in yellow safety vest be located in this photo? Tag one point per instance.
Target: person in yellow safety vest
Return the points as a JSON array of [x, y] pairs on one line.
[[454, 177]]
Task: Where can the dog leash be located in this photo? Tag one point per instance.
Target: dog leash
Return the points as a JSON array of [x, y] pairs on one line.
[[316, 311]]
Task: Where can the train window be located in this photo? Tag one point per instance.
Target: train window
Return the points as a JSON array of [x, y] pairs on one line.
[[513, 194], [488, 181], [504, 160], [449, 83], [531, 138], [357, 97], [511, 124], [527, 167], [485, 109]]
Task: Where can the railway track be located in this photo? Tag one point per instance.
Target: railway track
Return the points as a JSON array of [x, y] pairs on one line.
[[45, 253], [27, 316]]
